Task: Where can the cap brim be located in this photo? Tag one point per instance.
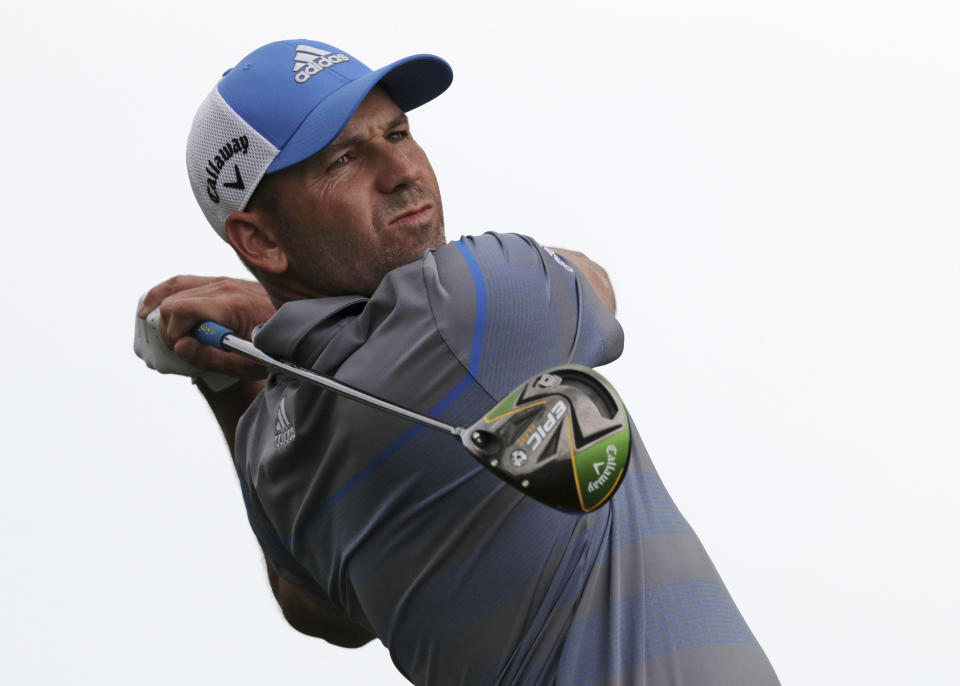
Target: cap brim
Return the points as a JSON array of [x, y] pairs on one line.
[[411, 82]]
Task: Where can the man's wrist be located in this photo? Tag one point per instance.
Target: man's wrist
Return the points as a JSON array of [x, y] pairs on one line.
[[229, 404]]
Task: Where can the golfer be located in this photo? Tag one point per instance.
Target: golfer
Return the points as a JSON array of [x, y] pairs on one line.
[[303, 160]]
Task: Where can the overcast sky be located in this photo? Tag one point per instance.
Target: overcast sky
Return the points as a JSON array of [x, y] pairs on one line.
[[772, 187]]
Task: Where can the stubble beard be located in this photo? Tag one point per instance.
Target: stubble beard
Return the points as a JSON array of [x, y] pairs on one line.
[[431, 236], [323, 275], [415, 242]]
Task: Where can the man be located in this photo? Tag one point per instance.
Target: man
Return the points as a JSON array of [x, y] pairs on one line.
[[302, 159]]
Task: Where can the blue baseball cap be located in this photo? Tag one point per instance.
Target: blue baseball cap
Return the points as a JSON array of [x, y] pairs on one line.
[[283, 103]]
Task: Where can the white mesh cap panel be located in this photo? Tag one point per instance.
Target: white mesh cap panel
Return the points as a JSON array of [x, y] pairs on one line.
[[226, 159]]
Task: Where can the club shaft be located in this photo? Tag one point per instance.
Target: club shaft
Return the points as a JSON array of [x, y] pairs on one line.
[[247, 349]]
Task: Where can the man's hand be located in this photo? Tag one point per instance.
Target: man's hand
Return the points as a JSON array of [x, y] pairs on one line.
[[186, 300]]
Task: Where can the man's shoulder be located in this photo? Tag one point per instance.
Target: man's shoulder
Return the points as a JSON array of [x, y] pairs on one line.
[[490, 244], [284, 334], [508, 307], [469, 265], [444, 288]]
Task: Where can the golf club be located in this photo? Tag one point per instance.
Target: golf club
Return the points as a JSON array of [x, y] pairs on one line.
[[562, 436]]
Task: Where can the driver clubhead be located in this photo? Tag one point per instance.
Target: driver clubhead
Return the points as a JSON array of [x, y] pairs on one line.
[[562, 437]]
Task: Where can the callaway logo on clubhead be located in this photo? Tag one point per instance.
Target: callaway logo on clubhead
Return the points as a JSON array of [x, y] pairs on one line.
[[605, 469]]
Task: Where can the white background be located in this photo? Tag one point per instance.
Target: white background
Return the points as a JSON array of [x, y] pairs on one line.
[[772, 187]]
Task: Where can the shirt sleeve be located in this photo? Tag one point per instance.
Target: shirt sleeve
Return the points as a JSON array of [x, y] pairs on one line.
[[274, 548], [507, 308]]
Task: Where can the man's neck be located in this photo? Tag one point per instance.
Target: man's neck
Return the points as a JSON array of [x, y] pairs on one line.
[[281, 292]]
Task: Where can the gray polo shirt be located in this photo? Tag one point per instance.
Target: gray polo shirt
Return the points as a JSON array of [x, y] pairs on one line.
[[463, 578]]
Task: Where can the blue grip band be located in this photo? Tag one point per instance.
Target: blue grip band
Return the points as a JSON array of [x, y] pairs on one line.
[[211, 333]]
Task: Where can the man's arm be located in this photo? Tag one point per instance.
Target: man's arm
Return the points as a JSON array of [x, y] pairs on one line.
[[595, 274], [239, 305], [229, 405], [302, 612], [310, 617]]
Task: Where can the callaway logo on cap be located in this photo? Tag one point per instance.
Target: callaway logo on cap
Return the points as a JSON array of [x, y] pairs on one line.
[[283, 103]]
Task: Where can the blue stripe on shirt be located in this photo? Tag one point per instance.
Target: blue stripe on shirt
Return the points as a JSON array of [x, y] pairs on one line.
[[412, 432], [480, 319]]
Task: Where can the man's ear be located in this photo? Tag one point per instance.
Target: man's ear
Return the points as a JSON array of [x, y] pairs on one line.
[[251, 235]]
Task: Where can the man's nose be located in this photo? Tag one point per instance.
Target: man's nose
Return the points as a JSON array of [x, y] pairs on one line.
[[397, 169]]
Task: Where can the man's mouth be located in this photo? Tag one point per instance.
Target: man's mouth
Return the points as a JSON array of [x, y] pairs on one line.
[[417, 215]]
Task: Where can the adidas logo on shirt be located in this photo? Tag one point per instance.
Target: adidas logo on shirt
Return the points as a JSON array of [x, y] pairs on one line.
[[284, 432], [310, 60]]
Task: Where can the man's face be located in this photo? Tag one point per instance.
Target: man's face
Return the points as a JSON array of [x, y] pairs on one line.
[[367, 203]]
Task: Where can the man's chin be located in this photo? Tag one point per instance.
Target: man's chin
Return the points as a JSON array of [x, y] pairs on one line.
[[426, 237], [413, 250]]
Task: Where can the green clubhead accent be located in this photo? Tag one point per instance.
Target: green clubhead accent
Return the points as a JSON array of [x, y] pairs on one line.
[[598, 469], [506, 404], [562, 437]]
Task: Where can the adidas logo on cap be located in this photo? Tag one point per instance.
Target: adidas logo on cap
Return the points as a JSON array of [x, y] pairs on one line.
[[310, 60]]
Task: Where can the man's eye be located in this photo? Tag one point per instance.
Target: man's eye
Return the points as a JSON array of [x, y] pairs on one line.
[[395, 136], [340, 161]]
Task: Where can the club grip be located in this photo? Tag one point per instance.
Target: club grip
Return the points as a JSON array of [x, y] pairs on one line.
[[210, 333]]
